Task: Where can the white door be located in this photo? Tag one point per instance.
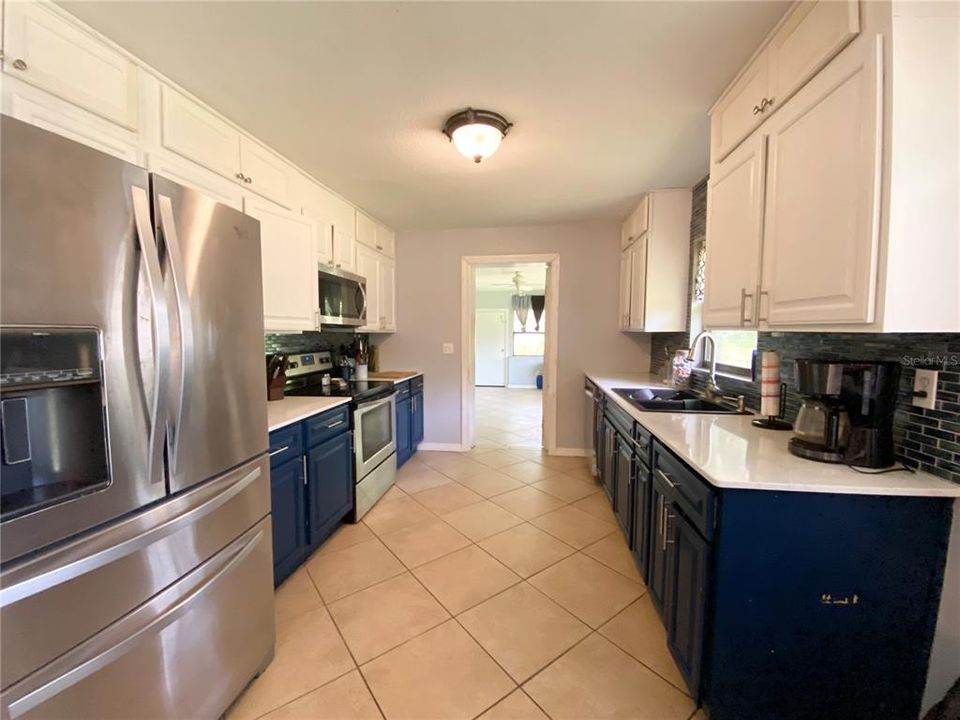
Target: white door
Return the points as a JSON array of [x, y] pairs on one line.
[[196, 133], [491, 347], [638, 283], [388, 293], [626, 262], [266, 173], [45, 50], [821, 226], [368, 265], [740, 111], [734, 237], [288, 251]]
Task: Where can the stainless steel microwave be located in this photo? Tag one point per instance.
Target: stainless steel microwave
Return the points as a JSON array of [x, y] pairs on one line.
[[343, 298]]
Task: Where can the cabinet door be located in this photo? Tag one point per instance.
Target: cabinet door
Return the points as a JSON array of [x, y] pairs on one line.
[[623, 507], [734, 237], [813, 34], [641, 517], [386, 241], [739, 112], [191, 130], [641, 218], [626, 262], [608, 473], [657, 581], [403, 431], [626, 233], [368, 265], [288, 251], [388, 295], [638, 283], [46, 50], [288, 519], [821, 226], [686, 578], [27, 103], [344, 255], [266, 173], [330, 484], [194, 176], [416, 421], [366, 230]]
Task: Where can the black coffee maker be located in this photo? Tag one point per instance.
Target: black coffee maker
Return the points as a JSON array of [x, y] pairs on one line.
[[847, 411]]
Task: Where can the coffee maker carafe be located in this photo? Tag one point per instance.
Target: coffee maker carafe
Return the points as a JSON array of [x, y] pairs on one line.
[[847, 412]]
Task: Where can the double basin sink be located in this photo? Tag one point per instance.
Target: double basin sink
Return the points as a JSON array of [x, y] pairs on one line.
[[673, 401]]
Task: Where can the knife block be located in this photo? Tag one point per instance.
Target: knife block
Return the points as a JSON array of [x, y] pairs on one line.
[[275, 386]]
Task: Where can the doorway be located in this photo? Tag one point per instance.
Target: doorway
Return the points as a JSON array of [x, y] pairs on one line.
[[509, 316]]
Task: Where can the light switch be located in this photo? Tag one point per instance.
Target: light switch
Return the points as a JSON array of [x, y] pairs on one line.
[[448, 348], [925, 382]]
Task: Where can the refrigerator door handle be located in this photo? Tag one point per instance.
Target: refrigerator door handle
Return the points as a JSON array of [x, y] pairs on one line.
[[184, 321], [160, 329]]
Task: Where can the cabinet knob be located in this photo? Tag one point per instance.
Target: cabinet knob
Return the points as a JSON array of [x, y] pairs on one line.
[[19, 64], [248, 180], [239, 176], [757, 109]]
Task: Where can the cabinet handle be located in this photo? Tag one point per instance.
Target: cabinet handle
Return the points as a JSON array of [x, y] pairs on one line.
[[666, 529], [338, 264], [277, 452], [765, 103], [239, 176], [667, 480], [304, 458], [743, 307], [248, 180], [334, 424], [757, 109], [379, 247], [19, 64], [760, 305]]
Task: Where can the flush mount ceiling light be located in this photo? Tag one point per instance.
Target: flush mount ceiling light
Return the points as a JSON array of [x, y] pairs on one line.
[[476, 134]]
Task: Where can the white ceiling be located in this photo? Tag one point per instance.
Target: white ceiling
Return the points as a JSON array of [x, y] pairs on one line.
[[608, 99], [533, 277]]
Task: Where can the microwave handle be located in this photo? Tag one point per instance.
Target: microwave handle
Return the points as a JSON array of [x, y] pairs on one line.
[[362, 289]]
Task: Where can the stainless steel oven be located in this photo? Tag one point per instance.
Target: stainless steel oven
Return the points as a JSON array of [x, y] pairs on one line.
[[343, 298], [375, 450]]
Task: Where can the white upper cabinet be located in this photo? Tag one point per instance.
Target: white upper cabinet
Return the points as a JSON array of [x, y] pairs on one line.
[[43, 48], [388, 295], [366, 230], [266, 173], [638, 222], [655, 264], [194, 176], [197, 134], [386, 240], [288, 250], [368, 266], [32, 105], [335, 218], [806, 39], [734, 237], [821, 217]]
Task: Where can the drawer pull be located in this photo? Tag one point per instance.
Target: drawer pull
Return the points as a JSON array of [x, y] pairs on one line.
[[334, 424], [277, 452], [667, 480]]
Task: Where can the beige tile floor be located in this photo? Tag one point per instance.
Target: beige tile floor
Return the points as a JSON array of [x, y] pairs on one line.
[[508, 417], [490, 584]]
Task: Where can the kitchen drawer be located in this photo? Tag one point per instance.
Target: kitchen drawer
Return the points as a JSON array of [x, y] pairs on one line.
[[692, 495], [285, 444], [620, 419], [327, 425], [416, 384], [403, 390], [642, 442]]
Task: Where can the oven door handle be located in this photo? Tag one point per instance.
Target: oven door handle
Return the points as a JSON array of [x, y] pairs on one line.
[[160, 328], [365, 407]]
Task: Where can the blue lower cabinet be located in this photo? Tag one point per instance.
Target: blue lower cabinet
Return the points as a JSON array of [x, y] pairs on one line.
[[330, 486], [311, 486], [686, 575], [404, 449], [287, 503], [416, 419]]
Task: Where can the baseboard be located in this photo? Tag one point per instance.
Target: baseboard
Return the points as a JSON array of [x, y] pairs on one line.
[[571, 452], [441, 447]]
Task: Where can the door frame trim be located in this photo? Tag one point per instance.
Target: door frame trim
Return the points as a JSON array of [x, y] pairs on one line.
[[506, 340], [468, 264]]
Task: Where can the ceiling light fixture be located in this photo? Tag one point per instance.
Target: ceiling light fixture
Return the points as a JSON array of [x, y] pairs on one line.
[[476, 134]]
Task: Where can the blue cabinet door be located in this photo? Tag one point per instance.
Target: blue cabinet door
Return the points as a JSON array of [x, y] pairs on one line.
[[641, 516], [608, 459], [403, 431], [686, 592], [623, 507], [416, 421], [659, 507], [330, 486], [289, 519]]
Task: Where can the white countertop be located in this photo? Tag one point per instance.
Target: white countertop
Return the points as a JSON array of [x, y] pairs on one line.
[[403, 378], [729, 452], [293, 409]]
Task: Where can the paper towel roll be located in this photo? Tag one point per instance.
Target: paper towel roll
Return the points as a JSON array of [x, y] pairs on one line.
[[770, 384]]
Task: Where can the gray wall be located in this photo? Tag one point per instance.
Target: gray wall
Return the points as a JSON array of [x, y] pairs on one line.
[[428, 314]]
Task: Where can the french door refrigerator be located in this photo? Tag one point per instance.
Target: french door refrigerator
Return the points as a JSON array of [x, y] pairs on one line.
[[135, 538]]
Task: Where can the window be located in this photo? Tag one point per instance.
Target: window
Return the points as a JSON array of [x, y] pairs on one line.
[[734, 347], [528, 339]]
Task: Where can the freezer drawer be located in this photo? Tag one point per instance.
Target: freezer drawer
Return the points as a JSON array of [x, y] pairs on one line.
[[58, 599], [186, 653]]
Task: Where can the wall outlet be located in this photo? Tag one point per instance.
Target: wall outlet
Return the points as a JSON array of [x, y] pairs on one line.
[[925, 381], [448, 348]]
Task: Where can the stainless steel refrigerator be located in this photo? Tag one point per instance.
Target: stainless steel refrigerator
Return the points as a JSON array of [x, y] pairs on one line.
[[135, 537]]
